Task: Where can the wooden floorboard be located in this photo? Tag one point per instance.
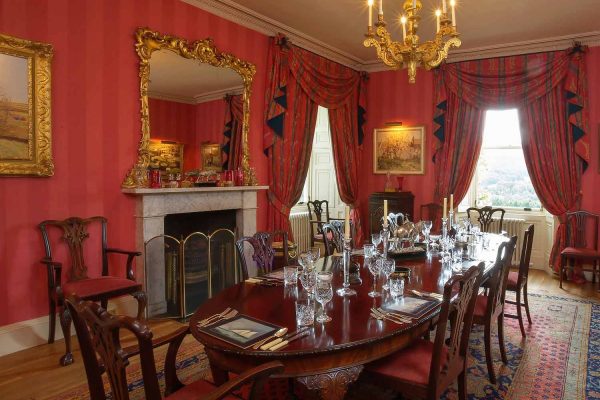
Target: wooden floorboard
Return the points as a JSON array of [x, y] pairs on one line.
[[35, 374]]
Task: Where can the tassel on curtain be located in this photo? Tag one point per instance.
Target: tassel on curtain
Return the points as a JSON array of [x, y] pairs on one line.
[[299, 81], [549, 89]]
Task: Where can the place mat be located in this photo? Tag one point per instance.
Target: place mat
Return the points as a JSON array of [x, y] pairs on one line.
[[277, 274], [411, 306], [241, 331]]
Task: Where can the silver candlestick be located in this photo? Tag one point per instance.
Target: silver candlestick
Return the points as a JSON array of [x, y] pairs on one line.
[[385, 237], [345, 290], [444, 228], [450, 219]]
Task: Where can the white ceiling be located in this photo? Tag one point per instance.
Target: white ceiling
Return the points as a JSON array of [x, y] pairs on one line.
[[185, 80], [339, 25]]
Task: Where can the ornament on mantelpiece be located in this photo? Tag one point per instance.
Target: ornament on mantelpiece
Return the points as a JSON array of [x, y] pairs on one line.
[[389, 186]]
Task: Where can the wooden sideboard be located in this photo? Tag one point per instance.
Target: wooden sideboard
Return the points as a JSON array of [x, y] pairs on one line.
[[397, 202]]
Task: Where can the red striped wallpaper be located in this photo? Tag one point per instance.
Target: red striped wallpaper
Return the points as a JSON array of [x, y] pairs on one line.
[[95, 115], [591, 179]]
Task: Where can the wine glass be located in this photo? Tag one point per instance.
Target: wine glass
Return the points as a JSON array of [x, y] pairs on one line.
[[387, 267], [369, 250], [324, 294], [374, 267], [315, 253], [376, 240], [304, 259], [427, 225], [308, 279]]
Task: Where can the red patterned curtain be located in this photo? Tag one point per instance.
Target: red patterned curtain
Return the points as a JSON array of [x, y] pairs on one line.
[[299, 82], [234, 117], [549, 90]]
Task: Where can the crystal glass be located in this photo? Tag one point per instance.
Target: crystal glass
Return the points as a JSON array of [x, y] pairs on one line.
[[427, 225], [387, 267], [308, 278], [374, 268], [376, 240], [290, 275], [315, 253], [305, 260], [305, 312], [369, 250], [324, 294], [397, 286]]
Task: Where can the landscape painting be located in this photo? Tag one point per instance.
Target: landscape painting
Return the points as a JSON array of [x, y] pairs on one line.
[[15, 116], [399, 150]]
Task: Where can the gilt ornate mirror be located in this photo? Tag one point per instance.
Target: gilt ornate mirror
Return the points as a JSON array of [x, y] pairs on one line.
[[195, 106]]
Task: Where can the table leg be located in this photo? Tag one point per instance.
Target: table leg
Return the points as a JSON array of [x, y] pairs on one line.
[[332, 385]]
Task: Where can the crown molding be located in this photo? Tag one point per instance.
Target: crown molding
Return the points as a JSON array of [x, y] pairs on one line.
[[218, 94], [251, 19], [171, 97]]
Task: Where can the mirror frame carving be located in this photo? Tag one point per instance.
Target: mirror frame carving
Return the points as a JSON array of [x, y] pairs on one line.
[[147, 42]]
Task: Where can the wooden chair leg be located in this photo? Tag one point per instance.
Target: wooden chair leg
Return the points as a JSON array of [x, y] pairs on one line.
[[52, 319], [501, 338], [488, 352], [65, 324], [561, 270], [520, 313], [526, 302], [462, 386], [142, 301]]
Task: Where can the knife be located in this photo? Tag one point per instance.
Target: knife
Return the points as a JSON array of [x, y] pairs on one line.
[[272, 343], [290, 340]]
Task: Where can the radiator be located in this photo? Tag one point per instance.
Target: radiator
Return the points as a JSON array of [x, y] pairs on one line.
[[513, 227], [301, 230]]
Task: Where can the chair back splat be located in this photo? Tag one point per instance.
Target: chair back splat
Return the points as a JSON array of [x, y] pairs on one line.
[[499, 277], [263, 253], [579, 226], [485, 217], [333, 236]]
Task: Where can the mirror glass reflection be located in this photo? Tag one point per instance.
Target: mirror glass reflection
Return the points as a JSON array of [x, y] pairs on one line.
[[196, 116]]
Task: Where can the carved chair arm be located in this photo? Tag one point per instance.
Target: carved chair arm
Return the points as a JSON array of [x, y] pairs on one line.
[[258, 374], [130, 256], [54, 272]]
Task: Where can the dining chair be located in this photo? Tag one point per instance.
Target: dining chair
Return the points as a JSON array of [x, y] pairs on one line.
[[485, 217], [581, 226], [318, 214], [426, 369], [333, 236], [75, 232], [98, 333], [490, 307], [262, 251], [517, 281]]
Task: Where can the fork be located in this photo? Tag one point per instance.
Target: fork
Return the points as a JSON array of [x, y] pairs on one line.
[[395, 315], [229, 315], [206, 320], [380, 315]]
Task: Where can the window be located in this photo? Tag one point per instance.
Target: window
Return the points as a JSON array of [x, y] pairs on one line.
[[501, 178]]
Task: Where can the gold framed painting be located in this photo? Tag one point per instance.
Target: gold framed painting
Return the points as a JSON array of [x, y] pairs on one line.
[[211, 157], [166, 156], [399, 150], [25, 108]]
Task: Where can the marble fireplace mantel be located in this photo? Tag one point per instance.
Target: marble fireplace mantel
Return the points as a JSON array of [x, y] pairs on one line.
[[152, 205]]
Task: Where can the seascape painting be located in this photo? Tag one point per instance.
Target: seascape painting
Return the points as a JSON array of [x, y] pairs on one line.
[[15, 116], [399, 150]]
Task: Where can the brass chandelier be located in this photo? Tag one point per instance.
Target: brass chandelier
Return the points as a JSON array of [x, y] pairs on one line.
[[409, 53]]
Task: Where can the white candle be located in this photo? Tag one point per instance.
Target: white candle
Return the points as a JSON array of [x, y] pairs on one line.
[[444, 9], [385, 213], [403, 21], [380, 7], [414, 3], [452, 4], [347, 225], [445, 207], [437, 18], [370, 13], [452, 201]]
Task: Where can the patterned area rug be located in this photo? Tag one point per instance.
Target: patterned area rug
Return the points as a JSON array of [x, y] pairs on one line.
[[560, 359]]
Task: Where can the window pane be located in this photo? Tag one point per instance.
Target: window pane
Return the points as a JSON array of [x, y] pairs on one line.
[[501, 129]]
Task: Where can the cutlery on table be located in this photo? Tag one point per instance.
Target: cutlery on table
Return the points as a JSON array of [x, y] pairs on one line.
[[395, 315], [383, 318], [380, 315], [436, 296], [272, 343], [206, 320], [277, 334], [229, 315], [290, 340]]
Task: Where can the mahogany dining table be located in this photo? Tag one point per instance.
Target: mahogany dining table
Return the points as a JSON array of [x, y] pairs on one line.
[[334, 353]]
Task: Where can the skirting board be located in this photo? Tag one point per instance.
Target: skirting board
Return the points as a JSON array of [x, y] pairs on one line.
[[34, 332]]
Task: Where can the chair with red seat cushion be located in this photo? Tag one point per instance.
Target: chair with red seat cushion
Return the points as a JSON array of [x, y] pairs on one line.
[[318, 214], [581, 226], [426, 369], [517, 281], [74, 233], [333, 237], [98, 333], [490, 307]]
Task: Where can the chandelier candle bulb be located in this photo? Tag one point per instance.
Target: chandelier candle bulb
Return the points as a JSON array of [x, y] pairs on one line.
[[452, 4], [444, 8], [380, 7], [437, 20], [403, 22], [370, 3]]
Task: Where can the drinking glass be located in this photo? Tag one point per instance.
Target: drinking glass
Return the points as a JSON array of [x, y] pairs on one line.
[[397, 286], [376, 239], [290, 275], [308, 278], [387, 267], [324, 294], [427, 225], [305, 312], [374, 267], [304, 259], [369, 250], [315, 253]]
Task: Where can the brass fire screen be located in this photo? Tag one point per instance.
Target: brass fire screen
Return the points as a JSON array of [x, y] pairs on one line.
[[195, 268]]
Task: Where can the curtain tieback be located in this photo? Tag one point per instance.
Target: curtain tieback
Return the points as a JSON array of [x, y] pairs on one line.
[[279, 206]]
